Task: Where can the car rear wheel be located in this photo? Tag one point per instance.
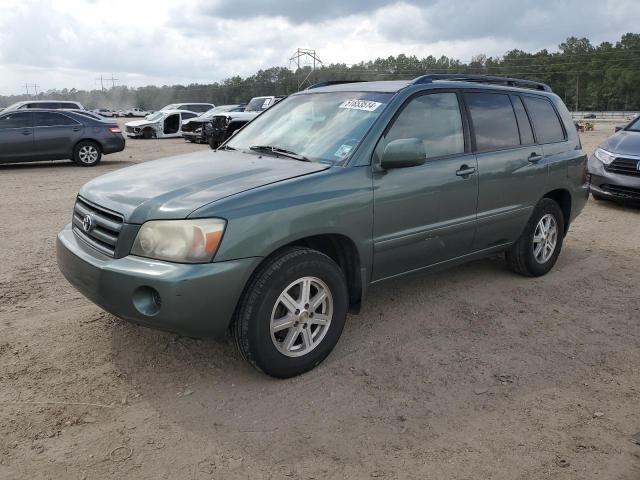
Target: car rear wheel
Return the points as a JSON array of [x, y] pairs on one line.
[[87, 154], [292, 313], [538, 248]]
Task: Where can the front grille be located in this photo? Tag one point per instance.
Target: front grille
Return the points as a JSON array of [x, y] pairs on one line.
[[624, 166], [620, 191], [129, 129], [106, 226]]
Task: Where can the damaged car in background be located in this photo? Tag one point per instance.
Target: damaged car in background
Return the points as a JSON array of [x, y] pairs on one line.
[[193, 130], [223, 125], [162, 124]]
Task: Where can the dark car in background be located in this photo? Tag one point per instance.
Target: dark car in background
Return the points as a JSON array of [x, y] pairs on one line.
[[35, 135], [223, 125], [614, 167], [193, 130]]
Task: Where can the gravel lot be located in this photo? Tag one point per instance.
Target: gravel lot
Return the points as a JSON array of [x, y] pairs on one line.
[[473, 373]]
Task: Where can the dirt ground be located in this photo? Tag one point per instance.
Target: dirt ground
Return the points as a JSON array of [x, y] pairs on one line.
[[473, 373]]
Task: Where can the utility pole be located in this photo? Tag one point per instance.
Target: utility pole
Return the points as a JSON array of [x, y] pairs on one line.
[[577, 90], [308, 54], [113, 81], [26, 87], [35, 88], [101, 83]]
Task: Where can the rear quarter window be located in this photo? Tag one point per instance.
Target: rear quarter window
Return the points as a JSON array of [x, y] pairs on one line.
[[494, 121], [545, 120]]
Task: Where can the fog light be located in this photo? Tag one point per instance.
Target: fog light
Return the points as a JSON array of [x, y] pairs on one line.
[[147, 301]]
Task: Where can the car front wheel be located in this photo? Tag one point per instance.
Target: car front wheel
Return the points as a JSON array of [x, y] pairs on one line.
[[292, 313]]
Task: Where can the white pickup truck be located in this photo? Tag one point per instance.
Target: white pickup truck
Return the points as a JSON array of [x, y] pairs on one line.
[[134, 112]]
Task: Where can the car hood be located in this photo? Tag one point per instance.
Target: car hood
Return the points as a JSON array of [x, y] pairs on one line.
[[623, 143], [139, 123], [239, 115], [174, 187]]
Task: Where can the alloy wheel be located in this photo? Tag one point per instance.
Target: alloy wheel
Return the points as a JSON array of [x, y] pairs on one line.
[[545, 238], [88, 154], [301, 316]]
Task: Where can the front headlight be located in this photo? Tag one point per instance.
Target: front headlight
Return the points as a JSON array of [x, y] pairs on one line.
[[604, 156], [183, 241]]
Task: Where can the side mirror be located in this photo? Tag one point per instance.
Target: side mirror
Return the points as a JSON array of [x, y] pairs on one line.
[[402, 153]]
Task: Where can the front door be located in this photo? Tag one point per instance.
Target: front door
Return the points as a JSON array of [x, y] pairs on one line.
[[16, 137], [425, 215]]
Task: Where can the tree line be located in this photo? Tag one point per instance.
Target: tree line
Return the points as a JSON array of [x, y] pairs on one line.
[[587, 77]]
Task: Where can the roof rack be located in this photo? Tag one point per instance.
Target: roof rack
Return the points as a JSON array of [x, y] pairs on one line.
[[332, 82], [461, 77]]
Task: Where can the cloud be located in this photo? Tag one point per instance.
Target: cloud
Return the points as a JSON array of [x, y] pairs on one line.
[[69, 43]]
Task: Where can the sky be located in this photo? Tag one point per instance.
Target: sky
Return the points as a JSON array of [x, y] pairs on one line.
[[71, 43]]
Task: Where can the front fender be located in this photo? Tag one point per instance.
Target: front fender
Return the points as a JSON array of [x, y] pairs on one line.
[[336, 201]]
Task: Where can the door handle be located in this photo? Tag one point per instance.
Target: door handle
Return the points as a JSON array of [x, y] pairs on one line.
[[465, 171], [534, 158], [26, 132]]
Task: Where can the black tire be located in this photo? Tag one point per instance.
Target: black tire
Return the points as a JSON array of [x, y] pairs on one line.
[[251, 325], [147, 134], [521, 258], [87, 153]]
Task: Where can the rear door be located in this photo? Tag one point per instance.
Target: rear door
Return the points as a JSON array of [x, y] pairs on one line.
[[512, 170], [425, 215], [16, 136], [551, 134], [55, 134]]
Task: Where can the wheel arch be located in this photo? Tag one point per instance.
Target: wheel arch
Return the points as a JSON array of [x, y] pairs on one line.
[[562, 197], [87, 139], [342, 250]]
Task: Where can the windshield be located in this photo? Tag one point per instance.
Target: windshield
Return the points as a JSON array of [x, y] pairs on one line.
[[323, 127], [635, 126], [154, 116], [258, 104]]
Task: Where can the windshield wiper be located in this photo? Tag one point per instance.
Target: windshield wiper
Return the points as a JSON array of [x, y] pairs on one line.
[[279, 151]]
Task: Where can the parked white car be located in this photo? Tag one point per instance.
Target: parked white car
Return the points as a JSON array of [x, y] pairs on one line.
[[48, 104], [134, 112], [191, 107], [105, 112], [162, 124]]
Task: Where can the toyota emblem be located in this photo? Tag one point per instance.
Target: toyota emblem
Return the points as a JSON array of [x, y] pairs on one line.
[[87, 223]]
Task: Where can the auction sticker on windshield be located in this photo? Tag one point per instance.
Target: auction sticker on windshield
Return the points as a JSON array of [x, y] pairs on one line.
[[355, 104]]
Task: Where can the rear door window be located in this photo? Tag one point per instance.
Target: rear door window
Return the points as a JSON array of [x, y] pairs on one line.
[[15, 120], [526, 134], [50, 119], [545, 120], [494, 121]]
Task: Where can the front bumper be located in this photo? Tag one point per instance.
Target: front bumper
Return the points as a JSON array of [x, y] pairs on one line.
[[195, 300], [612, 185]]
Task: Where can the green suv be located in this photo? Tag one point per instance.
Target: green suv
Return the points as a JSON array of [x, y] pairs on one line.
[[277, 235]]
